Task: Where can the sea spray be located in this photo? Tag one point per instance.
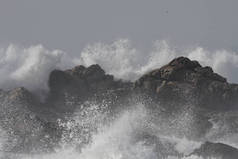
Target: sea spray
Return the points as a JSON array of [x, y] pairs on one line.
[[20, 66], [92, 134]]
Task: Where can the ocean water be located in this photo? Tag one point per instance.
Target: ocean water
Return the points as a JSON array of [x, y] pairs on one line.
[[92, 133]]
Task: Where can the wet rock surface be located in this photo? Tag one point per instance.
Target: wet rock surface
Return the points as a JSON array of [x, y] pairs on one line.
[[81, 83], [182, 87], [184, 80], [217, 150]]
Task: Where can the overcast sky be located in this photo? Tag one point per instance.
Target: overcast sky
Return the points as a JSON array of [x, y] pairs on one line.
[[72, 24]]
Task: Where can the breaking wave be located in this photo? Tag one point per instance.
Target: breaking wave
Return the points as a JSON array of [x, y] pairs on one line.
[[91, 133], [30, 67], [126, 62], [114, 138]]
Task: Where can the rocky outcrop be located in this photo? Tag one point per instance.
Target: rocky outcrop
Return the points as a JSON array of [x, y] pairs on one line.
[[182, 81], [188, 92], [32, 125], [216, 150], [71, 87], [195, 92], [181, 87], [82, 80]]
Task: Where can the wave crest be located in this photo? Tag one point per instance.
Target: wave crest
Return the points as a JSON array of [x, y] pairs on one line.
[[30, 67]]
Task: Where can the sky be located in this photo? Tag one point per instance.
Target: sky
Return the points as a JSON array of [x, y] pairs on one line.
[[70, 25]]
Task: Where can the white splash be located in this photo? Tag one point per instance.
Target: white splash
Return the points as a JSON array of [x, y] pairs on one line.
[[114, 141], [126, 62], [222, 61], [30, 67], [27, 67]]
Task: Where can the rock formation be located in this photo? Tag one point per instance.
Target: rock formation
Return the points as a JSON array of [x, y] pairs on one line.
[[81, 83], [216, 150], [184, 80], [180, 86]]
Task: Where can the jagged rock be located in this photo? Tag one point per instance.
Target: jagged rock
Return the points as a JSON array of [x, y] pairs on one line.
[[81, 79], [185, 87], [216, 150], [183, 80], [80, 83], [188, 91], [179, 86]]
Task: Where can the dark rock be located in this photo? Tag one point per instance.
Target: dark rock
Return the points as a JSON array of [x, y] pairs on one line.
[[183, 88], [71, 87], [182, 81], [162, 148], [217, 150]]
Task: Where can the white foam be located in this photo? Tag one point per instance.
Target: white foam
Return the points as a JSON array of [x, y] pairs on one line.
[[126, 62], [222, 61], [30, 67], [114, 141]]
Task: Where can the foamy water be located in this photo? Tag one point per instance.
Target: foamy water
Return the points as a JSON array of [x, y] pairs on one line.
[[98, 135], [114, 139]]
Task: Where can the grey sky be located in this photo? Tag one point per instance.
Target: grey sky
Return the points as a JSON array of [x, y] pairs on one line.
[[71, 24]]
